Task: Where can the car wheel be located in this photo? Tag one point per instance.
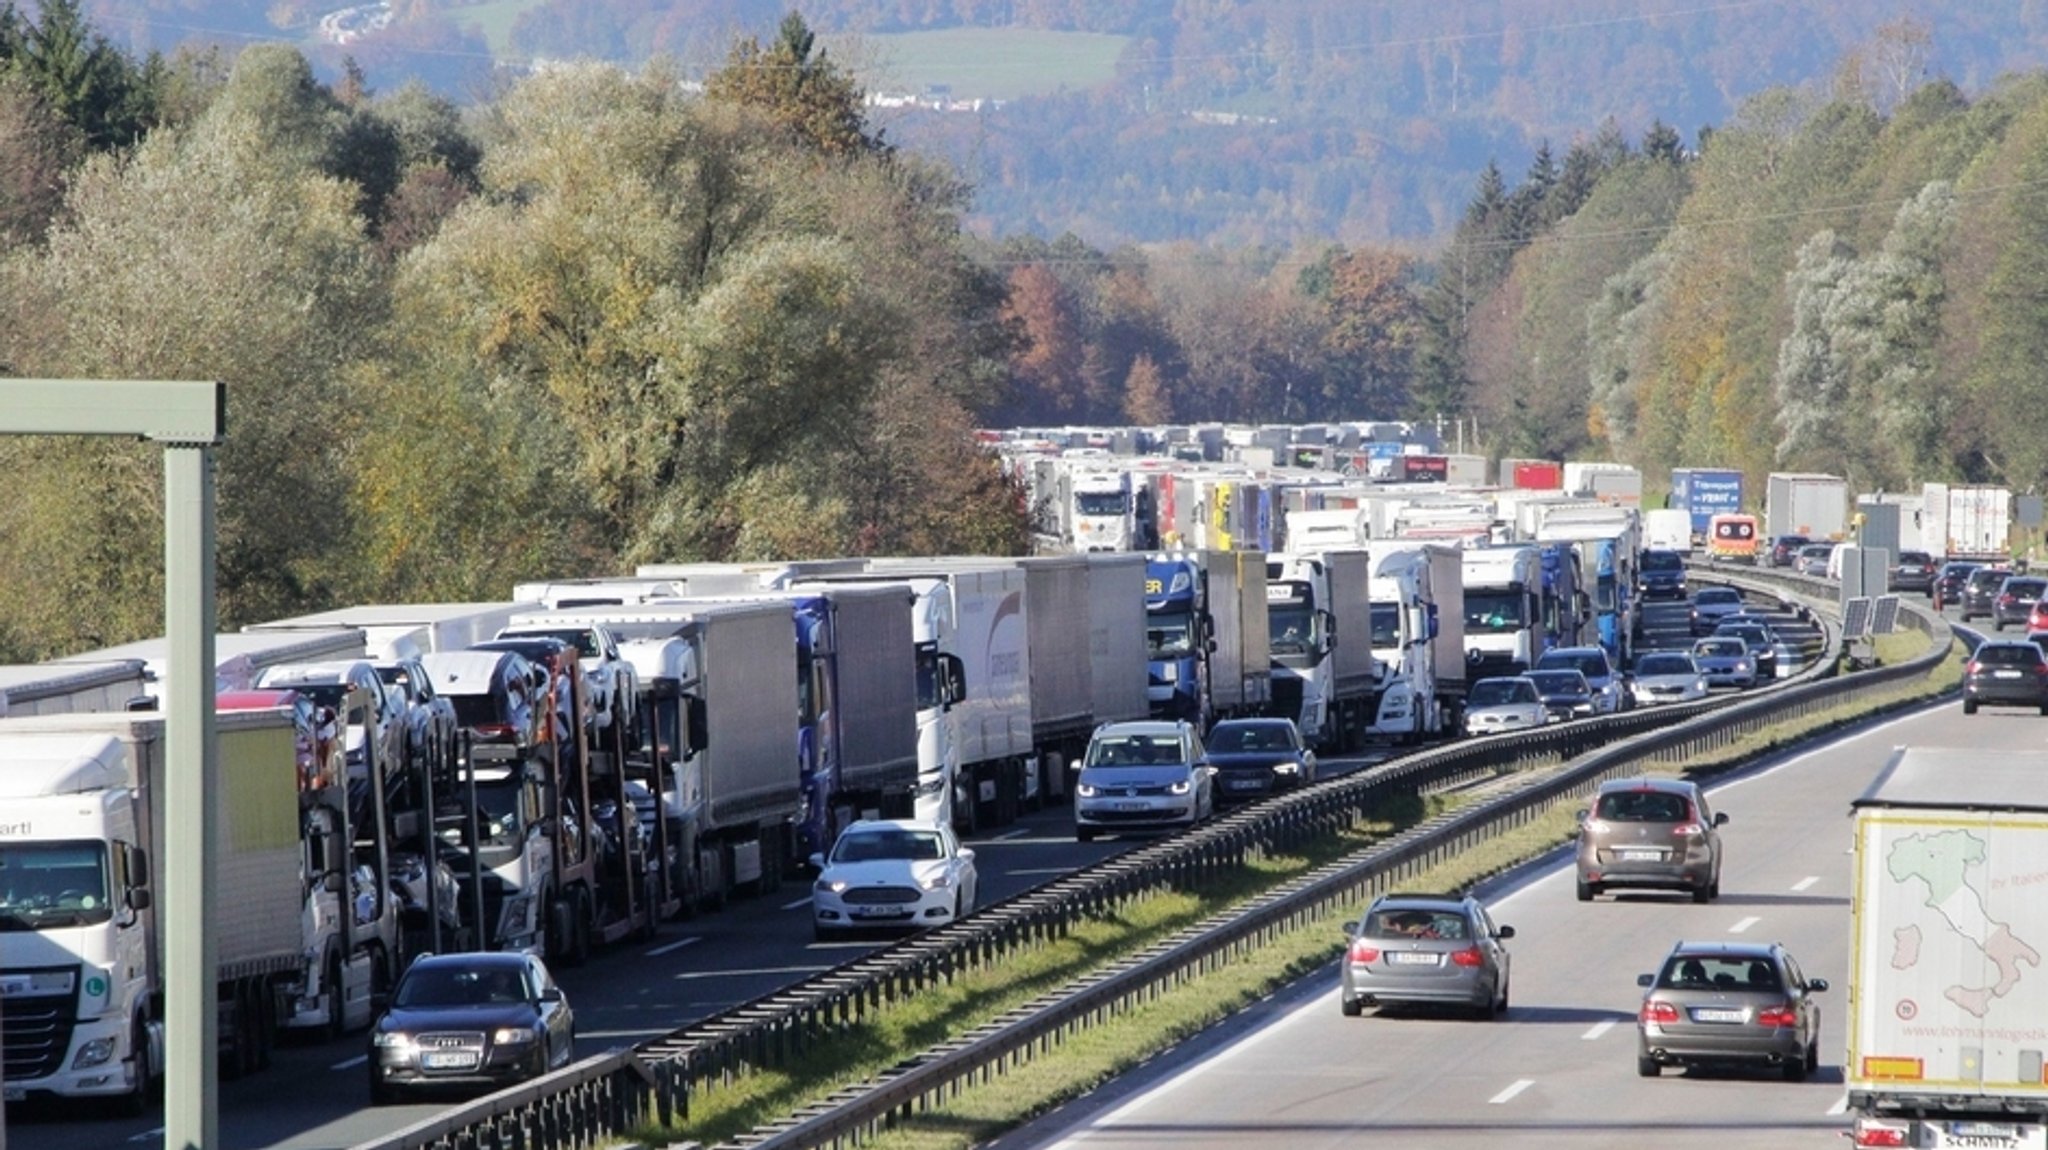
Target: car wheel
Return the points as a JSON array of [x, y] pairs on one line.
[[1812, 1055], [1647, 1067], [1794, 1070], [1703, 893], [380, 1094], [822, 933], [1501, 1007], [1351, 1007], [1084, 835], [1585, 891], [1969, 706], [1998, 625], [1714, 888]]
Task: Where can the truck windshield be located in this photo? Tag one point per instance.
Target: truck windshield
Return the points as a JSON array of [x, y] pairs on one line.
[[927, 676], [1292, 628], [1099, 503], [1494, 611], [1386, 625], [50, 884], [1169, 634], [581, 638], [501, 814]]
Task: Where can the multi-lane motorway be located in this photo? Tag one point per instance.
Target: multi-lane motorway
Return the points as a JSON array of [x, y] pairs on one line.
[[1574, 970]]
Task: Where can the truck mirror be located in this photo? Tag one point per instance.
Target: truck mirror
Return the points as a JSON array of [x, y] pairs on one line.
[[138, 898], [1433, 624], [699, 734], [138, 866], [954, 679], [1210, 646]]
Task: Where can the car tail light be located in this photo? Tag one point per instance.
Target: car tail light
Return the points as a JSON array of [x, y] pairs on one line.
[[1970, 668], [1659, 1012], [1361, 951], [2005, 600], [1470, 956], [1687, 830], [1777, 1016]]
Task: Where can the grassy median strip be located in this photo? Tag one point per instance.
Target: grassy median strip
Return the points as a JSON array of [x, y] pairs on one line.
[[1087, 1059]]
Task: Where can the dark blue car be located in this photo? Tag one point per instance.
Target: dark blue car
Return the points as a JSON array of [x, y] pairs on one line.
[[1661, 575]]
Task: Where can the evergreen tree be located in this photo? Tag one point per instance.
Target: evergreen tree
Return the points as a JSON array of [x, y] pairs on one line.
[[805, 94], [1661, 142]]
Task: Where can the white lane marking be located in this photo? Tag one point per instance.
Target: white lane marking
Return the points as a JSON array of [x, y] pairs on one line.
[[1508, 1095], [1808, 881], [1006, 836], [1840, 1107], [157, 1135], [1744, 924], [350, 1063], [1599, 1028], [804, 901], [678, 944], [1042, 870], [756, 972]]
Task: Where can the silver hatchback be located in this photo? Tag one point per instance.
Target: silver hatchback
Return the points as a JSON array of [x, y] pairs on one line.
[[1426, 949], [1146, 774]]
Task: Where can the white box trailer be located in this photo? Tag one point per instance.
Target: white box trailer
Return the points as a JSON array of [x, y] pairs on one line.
[[1966, 521], [72, 688], [240, 656], [1947, 991], [1116, 638], [408, 629]]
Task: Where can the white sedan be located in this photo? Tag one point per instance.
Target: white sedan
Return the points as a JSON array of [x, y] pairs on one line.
[[892, 873], [1667, 677], [1504, 704]]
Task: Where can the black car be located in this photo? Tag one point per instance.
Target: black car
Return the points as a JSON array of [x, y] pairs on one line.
[[1948, 584], [470, 1022], [2011, 674], [1661, 575], [1912, 571], [1762, 644], [1566, 694], [1257, 757], [2015, 600], [1785, 549], [1980, 591]]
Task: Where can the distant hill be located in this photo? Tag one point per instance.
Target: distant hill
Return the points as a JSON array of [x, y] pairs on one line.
[[1256, 121]]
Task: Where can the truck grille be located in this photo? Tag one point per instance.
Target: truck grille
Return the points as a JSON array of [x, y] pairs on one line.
[[874, 895], [37, 1030]]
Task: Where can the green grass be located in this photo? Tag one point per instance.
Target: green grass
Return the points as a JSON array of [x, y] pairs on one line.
[[494, 19], [1087, 1059], [993, 63]]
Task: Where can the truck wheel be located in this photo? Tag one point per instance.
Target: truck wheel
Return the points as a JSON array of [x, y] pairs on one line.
[[337, 1000], [579, 939], [135, 1103]]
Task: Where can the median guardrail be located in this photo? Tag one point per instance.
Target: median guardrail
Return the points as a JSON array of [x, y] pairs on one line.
[[607, 1095]]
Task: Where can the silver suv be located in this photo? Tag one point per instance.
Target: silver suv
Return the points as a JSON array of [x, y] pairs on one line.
[[1654, 833], [1426, 949], [1144, 774]]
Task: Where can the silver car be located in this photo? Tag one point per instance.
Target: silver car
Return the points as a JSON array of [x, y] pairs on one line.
[[1145, 774], [1426, 949], [1504, 704], [1725, 662], [1741, 1005], [1667, 677], [1654, 833]]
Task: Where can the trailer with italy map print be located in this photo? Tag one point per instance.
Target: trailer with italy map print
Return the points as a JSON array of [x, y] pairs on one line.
[[1948, 1026]]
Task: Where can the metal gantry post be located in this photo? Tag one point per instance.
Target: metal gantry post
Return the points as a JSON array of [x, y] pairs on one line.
[[189, 418]]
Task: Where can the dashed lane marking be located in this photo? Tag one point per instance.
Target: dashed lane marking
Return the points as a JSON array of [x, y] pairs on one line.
[[1744, 924], [1508, 1095], [1599, 1028], [1808, 881], [678, 944]]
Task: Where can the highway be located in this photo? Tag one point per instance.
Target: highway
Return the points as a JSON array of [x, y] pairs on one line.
[[1559, 1069], [316, 1097]]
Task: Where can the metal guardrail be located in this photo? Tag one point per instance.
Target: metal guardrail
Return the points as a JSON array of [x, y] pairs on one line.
[[610, 1094]]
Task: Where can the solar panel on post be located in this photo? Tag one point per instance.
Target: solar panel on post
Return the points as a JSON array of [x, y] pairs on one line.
[[1884, 616], [1856, 618]]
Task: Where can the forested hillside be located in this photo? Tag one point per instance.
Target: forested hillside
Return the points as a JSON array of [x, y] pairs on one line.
[[1230, 121], [602, 318]]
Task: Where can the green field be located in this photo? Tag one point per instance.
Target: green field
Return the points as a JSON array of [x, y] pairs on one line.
[[995, 63], [494, 18]]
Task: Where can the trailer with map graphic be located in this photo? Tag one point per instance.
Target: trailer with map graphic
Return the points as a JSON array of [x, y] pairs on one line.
[[1948, 1023]]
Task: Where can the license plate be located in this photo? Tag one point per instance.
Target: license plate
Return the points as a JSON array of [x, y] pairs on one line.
[[449, 1060], [880, 911], [2003, 1130], [1245, 784], [1131, 806], [2005, 674], [1412, 958], [1717, 1016], [1641, 856]]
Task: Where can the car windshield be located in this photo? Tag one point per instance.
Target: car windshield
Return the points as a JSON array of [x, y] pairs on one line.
[[1495, 692], [1642, 807], [2008, 654], [1720, 972], [2023, 588], [1417, 923], [1590, 665], [869, 846], [1133, 751], [1232, 737], [1712, 596], [1559, 682], [1720, 648], [459, 986], [1915, 559], [1664, 665], [1662, 561]]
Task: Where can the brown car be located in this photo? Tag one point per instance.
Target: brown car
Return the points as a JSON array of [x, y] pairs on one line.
[[1657, 834]]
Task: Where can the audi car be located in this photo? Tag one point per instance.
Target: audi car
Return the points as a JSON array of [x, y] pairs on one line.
[[470, 1022]]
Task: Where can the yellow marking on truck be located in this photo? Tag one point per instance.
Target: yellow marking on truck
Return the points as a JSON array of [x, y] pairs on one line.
[[1893, 1068]]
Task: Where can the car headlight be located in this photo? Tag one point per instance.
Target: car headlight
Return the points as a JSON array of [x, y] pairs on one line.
[[1086, 790], [829, 885], [1180, 788], [1582, 709], [391, 1040], [1289, 768], [513, 1036], [939, 881]]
